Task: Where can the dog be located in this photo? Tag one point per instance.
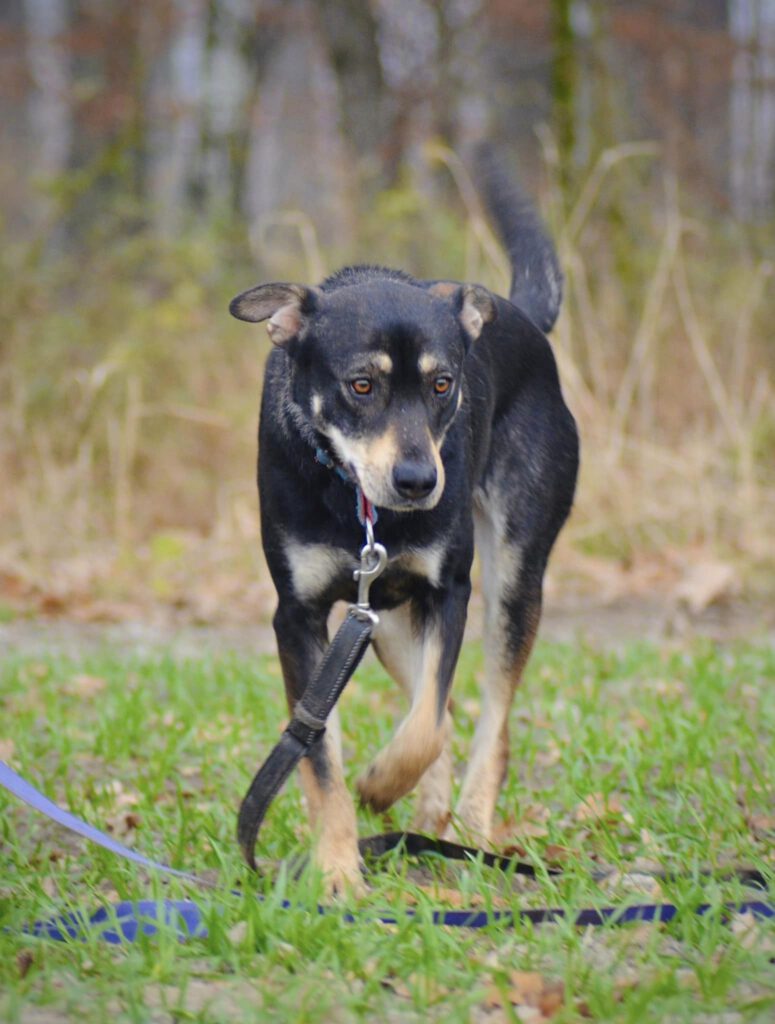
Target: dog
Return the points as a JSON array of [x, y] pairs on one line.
[[442, 401]]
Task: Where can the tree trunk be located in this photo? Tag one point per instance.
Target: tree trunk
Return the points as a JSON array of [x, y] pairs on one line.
[[49, 100], [752, 107], [176, 116], [350, 34]]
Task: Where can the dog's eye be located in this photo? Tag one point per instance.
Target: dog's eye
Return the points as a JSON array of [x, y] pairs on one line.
[[442, 385], [361, 386]]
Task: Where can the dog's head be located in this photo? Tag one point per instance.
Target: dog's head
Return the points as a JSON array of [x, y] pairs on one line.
[[376, 368]]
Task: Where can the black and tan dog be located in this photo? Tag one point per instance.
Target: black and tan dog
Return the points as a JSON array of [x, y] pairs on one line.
[[442, 401]]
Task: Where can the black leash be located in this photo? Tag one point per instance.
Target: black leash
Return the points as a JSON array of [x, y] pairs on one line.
[[305, 728], [415, 844], [311, 713]]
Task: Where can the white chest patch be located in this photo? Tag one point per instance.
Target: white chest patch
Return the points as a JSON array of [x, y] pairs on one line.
[[315, 566], [425, 562]]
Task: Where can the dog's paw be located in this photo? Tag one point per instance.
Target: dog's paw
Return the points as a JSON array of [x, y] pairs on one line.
[[471, 831], [433, 809], [379, 788], [343, 883], [432, 818], [340, 865]]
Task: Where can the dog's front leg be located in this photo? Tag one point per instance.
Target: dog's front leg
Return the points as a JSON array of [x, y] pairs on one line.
[[423, 655], [301, 641]]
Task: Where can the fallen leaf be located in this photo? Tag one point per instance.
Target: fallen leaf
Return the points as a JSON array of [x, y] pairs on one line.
[[238, 933], [597, 807], [623, 986], [746, 928], [670, 688], [634, 882], [513, 850], [532, 822], [556, 854], [531, 830], [124, 799], [455, 898], [687, 978], [24, 960], [639, 721], [756, 822], [526, 985], [397, 987], [551, 999], [51, 604], [85, 686], [529, 1014], [550, 756], [7, 748], [123, 824], [103, 611], [493, 997], [529, 991]]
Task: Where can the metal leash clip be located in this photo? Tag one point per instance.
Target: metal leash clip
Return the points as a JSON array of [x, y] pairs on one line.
[[373, 562]]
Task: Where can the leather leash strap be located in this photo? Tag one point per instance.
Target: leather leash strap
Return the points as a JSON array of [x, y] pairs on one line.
[[414, 844], [305, 728], [311, 713]]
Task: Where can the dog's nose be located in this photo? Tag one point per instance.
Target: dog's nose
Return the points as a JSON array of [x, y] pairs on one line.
[[414, 479]]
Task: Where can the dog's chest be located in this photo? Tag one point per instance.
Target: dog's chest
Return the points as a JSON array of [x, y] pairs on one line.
[[325, 572]]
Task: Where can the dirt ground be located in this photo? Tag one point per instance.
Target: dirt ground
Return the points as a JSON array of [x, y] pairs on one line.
[[610, 624]]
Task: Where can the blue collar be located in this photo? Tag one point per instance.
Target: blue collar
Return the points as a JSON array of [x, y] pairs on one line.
[[363, 506], [322, 456]]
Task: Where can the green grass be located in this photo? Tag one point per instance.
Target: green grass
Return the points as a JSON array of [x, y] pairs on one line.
[[677, 745]]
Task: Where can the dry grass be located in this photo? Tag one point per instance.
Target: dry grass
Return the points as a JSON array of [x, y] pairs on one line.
[[129, 399]]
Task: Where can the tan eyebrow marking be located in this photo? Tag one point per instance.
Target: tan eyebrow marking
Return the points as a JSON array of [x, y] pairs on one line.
[[382, 361], [427, 363]]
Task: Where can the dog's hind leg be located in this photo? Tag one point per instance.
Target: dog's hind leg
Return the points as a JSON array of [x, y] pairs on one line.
[[301, 641], [420, 650], [511, 588]]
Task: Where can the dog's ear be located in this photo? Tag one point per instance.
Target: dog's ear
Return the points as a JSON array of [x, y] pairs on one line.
[[475, 304], [478, 308], [286, 305]]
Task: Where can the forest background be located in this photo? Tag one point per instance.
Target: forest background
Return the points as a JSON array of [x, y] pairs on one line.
[[160, 156]]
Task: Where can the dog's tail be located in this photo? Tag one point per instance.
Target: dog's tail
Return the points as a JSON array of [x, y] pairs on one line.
[[536, 278]]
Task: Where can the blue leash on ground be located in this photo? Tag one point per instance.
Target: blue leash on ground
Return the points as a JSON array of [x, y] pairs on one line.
[[126, 921]]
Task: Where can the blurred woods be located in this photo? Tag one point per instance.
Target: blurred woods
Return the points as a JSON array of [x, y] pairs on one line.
[[156, 157]]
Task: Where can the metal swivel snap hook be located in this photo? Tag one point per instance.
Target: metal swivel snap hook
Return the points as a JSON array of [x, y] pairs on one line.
[[373, 562]]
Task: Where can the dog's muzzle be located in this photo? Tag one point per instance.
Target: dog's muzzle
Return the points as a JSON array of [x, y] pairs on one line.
[[414, 480]]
